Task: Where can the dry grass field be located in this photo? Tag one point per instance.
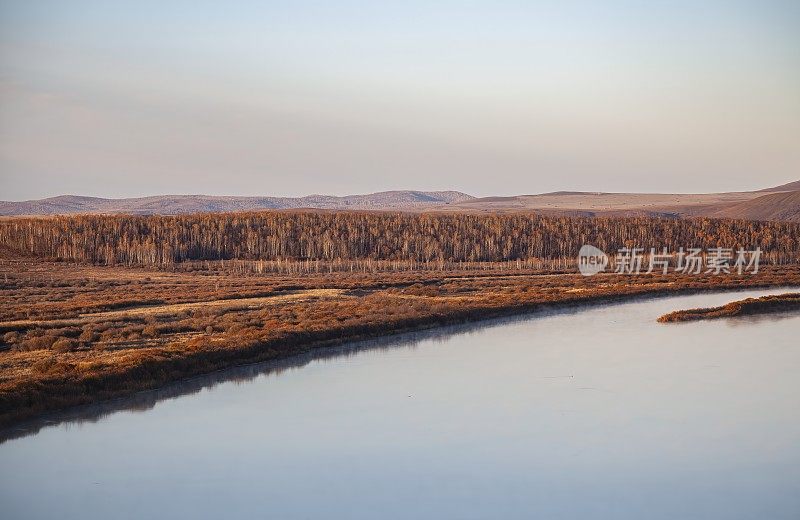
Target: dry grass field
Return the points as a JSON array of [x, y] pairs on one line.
[[74, 333]]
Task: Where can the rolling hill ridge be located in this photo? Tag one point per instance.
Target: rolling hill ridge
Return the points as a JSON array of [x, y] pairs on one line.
[[776, 203], [181, 204]]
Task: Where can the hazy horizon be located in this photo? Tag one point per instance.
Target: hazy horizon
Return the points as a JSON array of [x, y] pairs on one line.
[[257, 195], [501, 98]]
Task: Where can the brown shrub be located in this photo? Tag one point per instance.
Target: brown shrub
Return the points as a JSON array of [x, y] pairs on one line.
[[43, 366], [37, 343], [150, 331], [89, 335], [65, 345]]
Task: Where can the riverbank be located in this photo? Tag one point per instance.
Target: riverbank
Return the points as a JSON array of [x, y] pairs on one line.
[[78, 334], [750, 306]]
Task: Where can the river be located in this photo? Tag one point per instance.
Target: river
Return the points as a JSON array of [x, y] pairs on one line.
[[591, 412]]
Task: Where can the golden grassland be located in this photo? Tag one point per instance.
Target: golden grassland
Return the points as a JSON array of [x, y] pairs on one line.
[[747, 307], [72, 334]]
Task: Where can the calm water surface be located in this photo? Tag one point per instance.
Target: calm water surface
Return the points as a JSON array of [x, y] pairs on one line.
[[598, 412]]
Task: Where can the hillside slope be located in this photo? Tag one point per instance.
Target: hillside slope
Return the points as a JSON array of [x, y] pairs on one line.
[[775, 203], [789, 186], [606, 204], [775, 206]]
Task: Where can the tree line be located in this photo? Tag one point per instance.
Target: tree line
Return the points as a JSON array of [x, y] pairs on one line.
[[332, 236]]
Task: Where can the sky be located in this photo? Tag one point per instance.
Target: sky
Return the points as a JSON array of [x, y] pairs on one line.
[[122, 99]]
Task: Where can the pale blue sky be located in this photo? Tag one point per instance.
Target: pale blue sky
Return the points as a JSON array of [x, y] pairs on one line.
[[265, 98]]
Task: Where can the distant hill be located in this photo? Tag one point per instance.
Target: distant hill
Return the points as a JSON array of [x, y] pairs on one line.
[[775, 206], [179, 204], [789, 186], [777, 203]]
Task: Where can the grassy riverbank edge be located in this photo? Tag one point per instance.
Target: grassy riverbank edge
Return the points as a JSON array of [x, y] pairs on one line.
[[747, 307]]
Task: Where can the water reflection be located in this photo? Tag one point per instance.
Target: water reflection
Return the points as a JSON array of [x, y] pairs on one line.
[[740, 321]]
